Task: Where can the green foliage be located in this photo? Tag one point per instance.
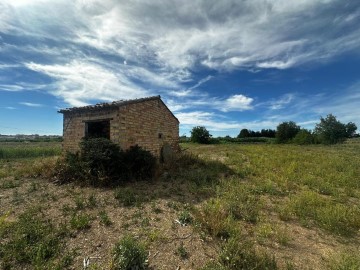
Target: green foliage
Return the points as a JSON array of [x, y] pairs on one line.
[[265, 133], [103, 159], [104, 218], [102, 163], [128, 196], [244, 133], [80, 221], [70, 169], [181, 252], [185, 217], [240, 254], [332, 131], [129, 254], [215, 219], [303, 137], [200, 134], [348, 260], [140, 163], [31, 240], [25, 150], [350, 129], [286, 131], [309, 206]]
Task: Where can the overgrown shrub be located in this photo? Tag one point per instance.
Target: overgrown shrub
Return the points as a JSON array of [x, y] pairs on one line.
[[70, 168], [140, 163], [101, 162], [103, 158], [129, 254]]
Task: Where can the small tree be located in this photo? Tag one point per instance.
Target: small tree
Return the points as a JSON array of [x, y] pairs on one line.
[[350, 129], [200, 134], [304, 136], [286, 131], [330, 130], [244, 133]]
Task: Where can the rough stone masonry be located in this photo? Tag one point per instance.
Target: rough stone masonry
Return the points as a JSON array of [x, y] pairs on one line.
[[147, 122]]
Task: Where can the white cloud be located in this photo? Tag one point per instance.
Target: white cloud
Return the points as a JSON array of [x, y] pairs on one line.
[[80, 82], [236, 103], [177, 36], [281, 102], [30, 104], [10, 108]]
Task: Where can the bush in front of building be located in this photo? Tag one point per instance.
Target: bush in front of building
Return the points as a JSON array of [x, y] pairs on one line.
[[101, 162]]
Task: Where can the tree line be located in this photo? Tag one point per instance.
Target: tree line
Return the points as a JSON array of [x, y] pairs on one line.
[[328, 131]]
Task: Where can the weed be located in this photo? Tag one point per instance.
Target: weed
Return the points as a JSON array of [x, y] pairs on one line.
[[185, 218], [129, 254], [240, 254], [104, 218], [80, 221], [31, 240], [128, 197], [92, 202], [240, 202], [214, 266], [181, 252], [215, 219], [68, 210], [349, 260], [17, 197], [33, 187], [80, 203], [145, 222], [173, 205], [334, 217], [8, 184]]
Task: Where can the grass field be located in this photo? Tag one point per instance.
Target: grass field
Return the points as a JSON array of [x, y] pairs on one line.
[[245, 206]]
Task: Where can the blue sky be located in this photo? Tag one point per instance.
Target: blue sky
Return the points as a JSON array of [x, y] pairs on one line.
[[225, 65]]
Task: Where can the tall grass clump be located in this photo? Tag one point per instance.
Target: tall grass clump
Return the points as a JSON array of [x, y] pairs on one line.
[[238, 253], [128, 254]]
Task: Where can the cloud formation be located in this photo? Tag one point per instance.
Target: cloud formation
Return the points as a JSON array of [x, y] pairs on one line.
[[108, 50]]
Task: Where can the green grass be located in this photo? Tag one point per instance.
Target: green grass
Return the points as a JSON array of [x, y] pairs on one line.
[[30, 240], [272, 185], [29, 150], [129, 253]]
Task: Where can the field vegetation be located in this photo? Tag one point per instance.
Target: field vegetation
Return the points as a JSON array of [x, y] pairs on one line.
[[215, 206]]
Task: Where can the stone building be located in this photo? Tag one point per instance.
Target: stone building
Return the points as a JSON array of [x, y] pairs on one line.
[[147, 122]]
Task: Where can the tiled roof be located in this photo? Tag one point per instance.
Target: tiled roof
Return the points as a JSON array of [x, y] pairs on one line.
[[98, 106]]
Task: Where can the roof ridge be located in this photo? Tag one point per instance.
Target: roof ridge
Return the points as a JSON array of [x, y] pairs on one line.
[[108, 104]]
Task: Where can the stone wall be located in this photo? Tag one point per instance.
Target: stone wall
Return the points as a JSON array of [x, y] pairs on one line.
[[149, 124]]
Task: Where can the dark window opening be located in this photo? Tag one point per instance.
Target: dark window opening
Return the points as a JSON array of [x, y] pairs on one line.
[[97, 129], [160, 135]]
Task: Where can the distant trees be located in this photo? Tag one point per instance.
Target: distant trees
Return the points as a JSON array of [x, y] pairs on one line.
[[200, 134], [286, 131], [304, 136], [246, 133], [328, 131], [331, 131]]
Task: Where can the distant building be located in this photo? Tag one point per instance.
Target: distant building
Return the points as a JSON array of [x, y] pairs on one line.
[[147, 122]]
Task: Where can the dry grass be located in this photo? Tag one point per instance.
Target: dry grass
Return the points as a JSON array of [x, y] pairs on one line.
[[255, 205]]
